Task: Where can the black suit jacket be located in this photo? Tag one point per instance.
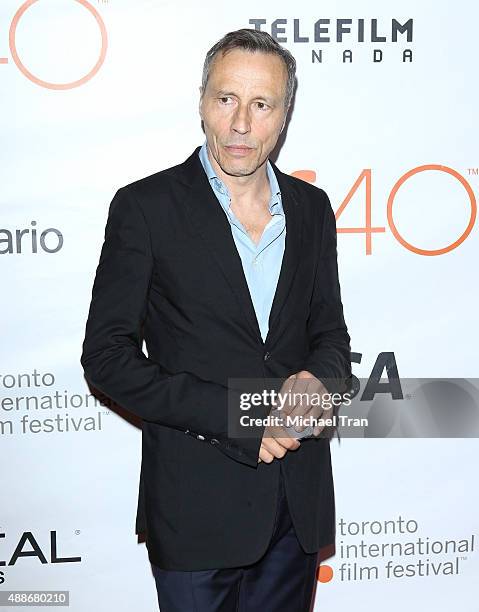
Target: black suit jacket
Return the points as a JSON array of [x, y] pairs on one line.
[[169, 273]]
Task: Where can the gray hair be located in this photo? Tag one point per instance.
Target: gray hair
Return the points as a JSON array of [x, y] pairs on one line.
[[252, 40]]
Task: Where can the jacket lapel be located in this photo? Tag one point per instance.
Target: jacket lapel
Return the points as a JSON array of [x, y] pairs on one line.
[[293, 245], [209, 221]]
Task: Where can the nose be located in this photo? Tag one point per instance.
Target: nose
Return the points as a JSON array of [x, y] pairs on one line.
[[241, 120]]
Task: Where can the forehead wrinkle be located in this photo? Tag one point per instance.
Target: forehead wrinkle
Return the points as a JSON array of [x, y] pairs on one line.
[[246, 75]]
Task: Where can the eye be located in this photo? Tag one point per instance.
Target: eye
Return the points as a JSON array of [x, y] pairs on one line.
[[224, 98], [263, 106]]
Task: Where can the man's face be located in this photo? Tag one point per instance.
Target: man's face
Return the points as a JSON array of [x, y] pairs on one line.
[[243, 105]]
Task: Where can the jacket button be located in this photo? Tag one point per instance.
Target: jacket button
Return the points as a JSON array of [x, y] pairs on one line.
[[214, 441], [266, 356], [200, 437]]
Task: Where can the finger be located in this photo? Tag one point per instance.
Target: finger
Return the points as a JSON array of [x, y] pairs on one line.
[[303, 407], [289, 442], [266, 456], [294, 396], [286, 387], [288, 383], [314, 414], [276, 449], [315, 409]]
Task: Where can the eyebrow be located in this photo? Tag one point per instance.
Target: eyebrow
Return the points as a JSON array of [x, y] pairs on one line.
[[223, 92]]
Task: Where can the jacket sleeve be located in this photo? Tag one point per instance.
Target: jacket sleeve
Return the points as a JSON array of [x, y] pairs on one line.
[[112, 356], [329, 357]]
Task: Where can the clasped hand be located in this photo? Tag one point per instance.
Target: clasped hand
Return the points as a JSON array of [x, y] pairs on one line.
[[300, 389]]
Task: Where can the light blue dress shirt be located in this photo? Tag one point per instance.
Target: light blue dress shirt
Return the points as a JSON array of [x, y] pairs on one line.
[[261, 262]]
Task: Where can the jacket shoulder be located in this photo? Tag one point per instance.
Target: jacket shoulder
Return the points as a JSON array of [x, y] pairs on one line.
[[303, 186], [172, 180], [156, 182], [307, 193]]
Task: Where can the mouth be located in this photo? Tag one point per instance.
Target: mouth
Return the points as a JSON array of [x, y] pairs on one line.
[[239, 150]]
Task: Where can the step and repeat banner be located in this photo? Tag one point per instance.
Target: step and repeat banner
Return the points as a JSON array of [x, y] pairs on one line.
[[95, 94]]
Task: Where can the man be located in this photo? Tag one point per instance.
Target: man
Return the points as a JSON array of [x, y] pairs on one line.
[[227, 268]]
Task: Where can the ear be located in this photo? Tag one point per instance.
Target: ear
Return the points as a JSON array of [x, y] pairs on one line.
[[200, 102], [285, 117]]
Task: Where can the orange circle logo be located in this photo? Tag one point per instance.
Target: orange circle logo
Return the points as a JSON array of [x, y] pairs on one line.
[[42, 83], [325, 573]]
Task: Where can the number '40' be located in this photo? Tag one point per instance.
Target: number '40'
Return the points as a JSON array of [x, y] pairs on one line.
[[368, 229]]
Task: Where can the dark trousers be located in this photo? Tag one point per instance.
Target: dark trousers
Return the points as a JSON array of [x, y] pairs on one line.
[[284, 578]]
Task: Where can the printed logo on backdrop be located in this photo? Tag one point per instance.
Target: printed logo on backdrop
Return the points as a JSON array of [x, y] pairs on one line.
[[344, 40], [21, 62], [44, 546], [34, 403], [30, 240], [408, 188], [395, 549]]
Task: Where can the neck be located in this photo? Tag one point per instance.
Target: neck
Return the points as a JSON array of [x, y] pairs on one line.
[[253, 187]]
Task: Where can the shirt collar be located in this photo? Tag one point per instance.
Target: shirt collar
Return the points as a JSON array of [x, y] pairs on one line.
[[217, 184]]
